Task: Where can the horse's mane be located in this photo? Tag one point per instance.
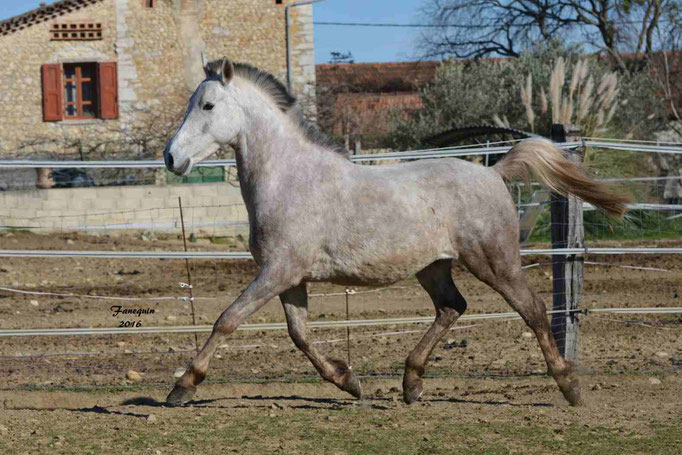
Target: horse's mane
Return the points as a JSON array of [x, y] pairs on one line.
[[278, 92]]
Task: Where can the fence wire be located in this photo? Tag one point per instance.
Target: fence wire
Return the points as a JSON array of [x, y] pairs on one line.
[[497, 344]]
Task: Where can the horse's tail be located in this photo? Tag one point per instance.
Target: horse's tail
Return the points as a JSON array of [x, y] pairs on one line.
[[547, 162]]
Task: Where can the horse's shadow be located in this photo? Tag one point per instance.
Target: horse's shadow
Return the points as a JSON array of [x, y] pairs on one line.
[[489, 402], [102, 410], [94, 409], [260, 401]]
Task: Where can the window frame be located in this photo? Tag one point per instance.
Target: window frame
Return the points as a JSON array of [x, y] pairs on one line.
[[78, 80]]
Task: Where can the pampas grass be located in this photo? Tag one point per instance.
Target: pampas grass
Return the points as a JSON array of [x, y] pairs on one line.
[[527, 100], [501, 122], [579, 102]]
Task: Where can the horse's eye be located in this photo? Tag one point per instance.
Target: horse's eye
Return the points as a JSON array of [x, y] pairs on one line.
[[208, 106]]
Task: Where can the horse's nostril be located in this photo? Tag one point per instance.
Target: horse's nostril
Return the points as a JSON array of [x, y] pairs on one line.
[[169, 161]]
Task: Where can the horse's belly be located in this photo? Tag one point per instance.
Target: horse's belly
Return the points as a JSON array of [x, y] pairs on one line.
[[364, 269], [367, 275]]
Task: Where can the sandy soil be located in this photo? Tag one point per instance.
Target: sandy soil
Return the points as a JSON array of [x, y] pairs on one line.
[[625, 414], [485, 371]]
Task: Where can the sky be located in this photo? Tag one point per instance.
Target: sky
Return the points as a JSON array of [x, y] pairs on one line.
[[366, 44]]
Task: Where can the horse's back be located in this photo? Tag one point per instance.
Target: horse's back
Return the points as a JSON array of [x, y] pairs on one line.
[[464, 190]]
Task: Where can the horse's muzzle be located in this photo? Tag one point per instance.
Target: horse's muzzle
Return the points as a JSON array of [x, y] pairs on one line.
[[180, 169], [168, 158]]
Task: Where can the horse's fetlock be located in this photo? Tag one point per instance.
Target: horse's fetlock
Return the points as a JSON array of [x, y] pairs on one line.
[[340, 367], [196, 376], [414, 365], [563, 371]]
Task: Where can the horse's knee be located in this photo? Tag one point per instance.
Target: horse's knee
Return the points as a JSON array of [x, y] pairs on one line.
[[227, 323]]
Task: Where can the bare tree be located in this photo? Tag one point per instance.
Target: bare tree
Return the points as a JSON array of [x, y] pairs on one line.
[[665, 67], [479, 28], [143, 139]]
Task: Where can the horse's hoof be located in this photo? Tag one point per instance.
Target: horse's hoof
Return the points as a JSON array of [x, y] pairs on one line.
[[574, 394], [353, 386], [412, 392], [180, 395]]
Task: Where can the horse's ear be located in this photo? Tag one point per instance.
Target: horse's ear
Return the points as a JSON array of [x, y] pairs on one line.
[[227, 71], [204, 64]]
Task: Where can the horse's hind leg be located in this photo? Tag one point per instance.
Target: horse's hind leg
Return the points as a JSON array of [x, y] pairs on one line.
[[336, 371], [437, 281], [503, 273]]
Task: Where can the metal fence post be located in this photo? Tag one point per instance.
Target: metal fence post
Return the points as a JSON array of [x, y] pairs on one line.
[[567, 271]]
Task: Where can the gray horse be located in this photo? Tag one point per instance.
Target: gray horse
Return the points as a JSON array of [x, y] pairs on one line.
[[316, 216]]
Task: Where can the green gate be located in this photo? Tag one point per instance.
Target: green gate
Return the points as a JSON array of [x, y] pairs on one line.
[[198, 175]]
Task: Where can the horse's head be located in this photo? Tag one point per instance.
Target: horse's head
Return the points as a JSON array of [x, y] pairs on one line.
[[213, 118]]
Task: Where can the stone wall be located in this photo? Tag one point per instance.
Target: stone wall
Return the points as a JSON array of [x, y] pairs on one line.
[[257, 37], [303, 54], [209, 209], [155, 50]]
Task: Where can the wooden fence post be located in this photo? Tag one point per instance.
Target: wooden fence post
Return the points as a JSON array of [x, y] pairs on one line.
[[567, 271]]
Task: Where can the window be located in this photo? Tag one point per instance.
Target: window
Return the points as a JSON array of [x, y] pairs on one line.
[[78, 91], [149, 3], [76, 31]]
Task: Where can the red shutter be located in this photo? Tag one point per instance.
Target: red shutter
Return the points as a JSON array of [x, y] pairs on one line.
[[108, 90], [53, 101]]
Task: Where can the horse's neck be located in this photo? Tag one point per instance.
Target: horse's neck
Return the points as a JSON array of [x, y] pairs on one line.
[[272, 153]]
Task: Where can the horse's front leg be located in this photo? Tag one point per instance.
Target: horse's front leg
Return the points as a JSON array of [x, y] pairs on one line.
[[267, 285], [336, 371]]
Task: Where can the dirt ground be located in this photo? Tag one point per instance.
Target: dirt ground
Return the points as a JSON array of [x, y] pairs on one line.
[[486, 390]]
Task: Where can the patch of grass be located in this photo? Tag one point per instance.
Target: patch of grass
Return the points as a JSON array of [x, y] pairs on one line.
[[217, 240], [97, 390], [360, 431], [637, 224], [15, 231]]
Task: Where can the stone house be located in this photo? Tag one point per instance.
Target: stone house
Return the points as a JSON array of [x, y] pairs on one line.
[[95, 71], [357, 101]]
